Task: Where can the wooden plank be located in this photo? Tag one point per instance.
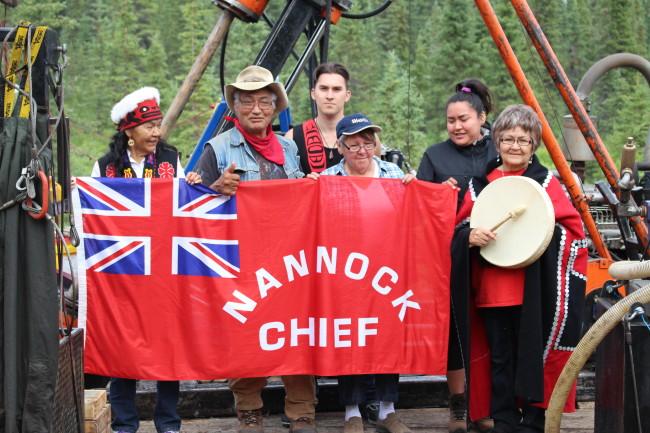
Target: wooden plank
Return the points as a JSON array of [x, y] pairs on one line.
[[426, 420], [94, 402], [102, 423]]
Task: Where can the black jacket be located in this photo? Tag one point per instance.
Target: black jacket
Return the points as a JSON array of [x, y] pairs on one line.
[[444, 160]]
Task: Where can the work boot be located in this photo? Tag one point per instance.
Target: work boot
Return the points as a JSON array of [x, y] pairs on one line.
[[370, 411], [353, 425], [484, 425], [303, 425], [392, 424], [250, 421], [457, 413]]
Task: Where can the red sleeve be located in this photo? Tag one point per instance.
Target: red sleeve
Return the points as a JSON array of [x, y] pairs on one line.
[[565, 213], [465, 208]]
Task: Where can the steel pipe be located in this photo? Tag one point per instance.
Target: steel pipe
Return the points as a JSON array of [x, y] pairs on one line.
[[575, 107], [526, 92]]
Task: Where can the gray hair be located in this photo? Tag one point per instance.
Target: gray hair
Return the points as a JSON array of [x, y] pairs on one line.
[[518, 115]]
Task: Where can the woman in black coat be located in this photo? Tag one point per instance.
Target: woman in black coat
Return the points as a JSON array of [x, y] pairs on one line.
[[454, 162]]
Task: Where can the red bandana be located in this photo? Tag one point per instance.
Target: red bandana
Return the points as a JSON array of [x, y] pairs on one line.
[[269, 147]]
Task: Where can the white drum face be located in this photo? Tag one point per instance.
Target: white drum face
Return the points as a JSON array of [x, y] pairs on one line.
[[520, 240]]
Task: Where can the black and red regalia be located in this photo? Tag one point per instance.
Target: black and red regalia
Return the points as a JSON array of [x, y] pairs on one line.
[[552, 307]]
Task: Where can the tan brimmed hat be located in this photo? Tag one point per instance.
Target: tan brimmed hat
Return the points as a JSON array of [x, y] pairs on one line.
[[255, 78]]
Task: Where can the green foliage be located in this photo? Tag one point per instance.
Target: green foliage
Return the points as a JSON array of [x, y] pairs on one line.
[[400, 113], [47, 13], [404, 63], [194, 22]]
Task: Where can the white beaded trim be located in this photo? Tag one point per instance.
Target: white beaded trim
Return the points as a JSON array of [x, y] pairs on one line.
[[471, 190], [558, 303], [547, 180], [576, 245]]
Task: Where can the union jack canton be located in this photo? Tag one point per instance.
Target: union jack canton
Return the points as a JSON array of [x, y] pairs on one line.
[[131, 227]]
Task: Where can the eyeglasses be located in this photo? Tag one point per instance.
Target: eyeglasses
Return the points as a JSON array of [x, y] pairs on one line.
[[523, 142], [357, 147], [263, 103]]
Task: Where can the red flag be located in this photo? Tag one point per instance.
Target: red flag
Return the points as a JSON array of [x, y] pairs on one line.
[[337, 276]]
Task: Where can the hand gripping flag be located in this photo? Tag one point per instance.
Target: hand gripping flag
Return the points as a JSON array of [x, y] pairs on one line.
[[328, 277]]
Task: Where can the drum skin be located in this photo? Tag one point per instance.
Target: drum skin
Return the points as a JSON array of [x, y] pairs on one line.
[[520, 240]]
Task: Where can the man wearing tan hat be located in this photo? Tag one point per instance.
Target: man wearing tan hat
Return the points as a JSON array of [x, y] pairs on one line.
[[251, 151]]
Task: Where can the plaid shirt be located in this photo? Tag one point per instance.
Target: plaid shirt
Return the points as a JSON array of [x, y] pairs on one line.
[[386, 169]]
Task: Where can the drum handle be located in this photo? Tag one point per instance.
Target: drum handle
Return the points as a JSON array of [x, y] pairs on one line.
[[514, 213]]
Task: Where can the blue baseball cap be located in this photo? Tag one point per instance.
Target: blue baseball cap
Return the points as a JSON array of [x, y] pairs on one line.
[[353, 124]]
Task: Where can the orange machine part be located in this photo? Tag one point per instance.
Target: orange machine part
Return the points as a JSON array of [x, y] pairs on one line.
[[598, 273], [256, 6], [335, 14], [249, 11], [66, 322]]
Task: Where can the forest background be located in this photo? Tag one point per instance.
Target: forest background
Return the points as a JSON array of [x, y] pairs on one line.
[[404, 64]]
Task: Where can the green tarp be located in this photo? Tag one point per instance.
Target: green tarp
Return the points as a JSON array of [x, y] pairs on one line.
[[28, 295]]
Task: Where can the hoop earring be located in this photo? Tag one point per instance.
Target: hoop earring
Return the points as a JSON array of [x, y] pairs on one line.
[[131, 143]]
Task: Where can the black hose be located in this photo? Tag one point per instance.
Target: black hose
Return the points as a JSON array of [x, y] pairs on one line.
[[267, 19], [324, 46], [367, 14]]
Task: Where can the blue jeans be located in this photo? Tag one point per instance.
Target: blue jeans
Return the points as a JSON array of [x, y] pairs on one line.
[[369, 384], [352, 388], [125, 414]]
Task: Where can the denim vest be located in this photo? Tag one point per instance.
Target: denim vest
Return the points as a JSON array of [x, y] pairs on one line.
[[230, 146]]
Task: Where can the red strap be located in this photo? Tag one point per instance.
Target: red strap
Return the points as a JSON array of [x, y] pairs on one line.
[[315, 148]]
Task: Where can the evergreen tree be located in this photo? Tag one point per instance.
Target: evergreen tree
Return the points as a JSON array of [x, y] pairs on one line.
[[49, 13], [549, 14], [398, 110], [440, 65], [578, 26], [355, 44], [393, 28], [117, 46], [195, 21]]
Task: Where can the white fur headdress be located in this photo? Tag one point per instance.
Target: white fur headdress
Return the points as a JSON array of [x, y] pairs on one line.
[[131, 101]]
